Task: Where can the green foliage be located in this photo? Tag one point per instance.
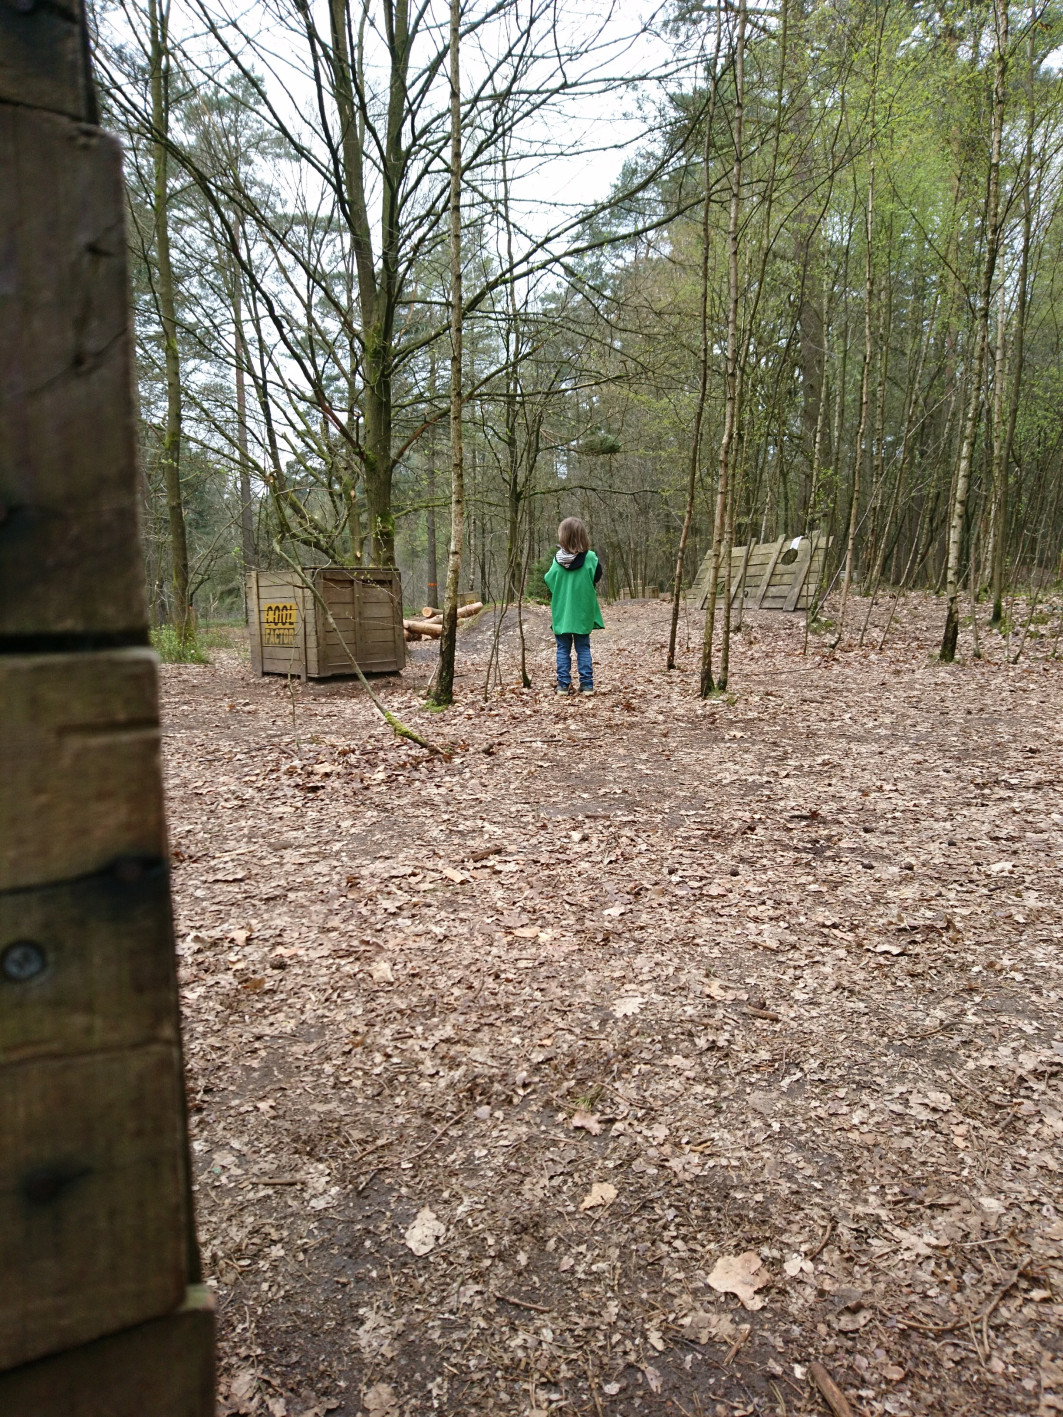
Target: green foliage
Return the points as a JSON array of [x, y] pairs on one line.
[[536, 588], [172, 648], [600, 444]]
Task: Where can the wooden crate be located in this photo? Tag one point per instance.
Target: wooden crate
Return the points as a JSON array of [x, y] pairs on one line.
[[768, 575], [291, 633]]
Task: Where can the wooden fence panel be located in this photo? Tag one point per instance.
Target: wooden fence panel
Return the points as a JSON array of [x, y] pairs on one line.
[[768, 575]]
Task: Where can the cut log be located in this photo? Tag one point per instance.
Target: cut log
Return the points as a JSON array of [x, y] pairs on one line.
[[432, 628], [429, 612]]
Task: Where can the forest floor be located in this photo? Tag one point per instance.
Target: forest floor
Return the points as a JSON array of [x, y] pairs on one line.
[[645, 1052]]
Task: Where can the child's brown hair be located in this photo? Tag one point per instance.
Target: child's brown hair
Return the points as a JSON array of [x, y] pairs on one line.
[[572, 536]]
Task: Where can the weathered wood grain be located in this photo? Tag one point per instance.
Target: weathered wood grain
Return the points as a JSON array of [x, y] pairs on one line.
[[164, 1368], [763, 578], [87, 964], [79, 763], [93, 1207], [69, 556], [366, 606], [43, 59], [253, 613]]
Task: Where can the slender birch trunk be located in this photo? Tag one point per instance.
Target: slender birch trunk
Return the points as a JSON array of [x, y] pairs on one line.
[[865, 373], [703, 363], [158, 24], [708, 685], [991, 226], [430, 517], [441, 693], [1000, 509], [247, 511]]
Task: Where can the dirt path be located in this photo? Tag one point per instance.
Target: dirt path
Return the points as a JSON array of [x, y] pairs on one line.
[[632, 995]]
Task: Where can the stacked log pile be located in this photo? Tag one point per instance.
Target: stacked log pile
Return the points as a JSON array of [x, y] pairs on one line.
[[430, 623]]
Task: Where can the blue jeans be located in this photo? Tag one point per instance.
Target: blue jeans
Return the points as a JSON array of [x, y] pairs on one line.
[[583, 661]]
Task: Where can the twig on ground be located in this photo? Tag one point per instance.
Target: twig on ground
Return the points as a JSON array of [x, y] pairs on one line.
[[823, 1240], [829, 1390], [521, 1303], [445, 1128], [744, 1333], [991, 1306]]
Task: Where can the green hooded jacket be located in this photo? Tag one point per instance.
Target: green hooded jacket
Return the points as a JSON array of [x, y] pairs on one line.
[[574, 607]]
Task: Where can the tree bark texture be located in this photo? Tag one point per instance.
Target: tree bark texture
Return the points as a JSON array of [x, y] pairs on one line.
[[731, 387], [991, 226], [442, 692], [158, 21]]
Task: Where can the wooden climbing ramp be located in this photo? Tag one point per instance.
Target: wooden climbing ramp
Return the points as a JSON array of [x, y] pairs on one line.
[[768, 575], [101, 1310]]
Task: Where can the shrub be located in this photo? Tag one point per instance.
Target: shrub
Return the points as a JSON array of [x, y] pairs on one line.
[[172, 649]]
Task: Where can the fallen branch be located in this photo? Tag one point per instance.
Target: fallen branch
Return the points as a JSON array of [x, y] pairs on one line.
[[392, 720]]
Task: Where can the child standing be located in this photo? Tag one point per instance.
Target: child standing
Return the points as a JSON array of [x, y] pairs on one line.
[[574, 609]]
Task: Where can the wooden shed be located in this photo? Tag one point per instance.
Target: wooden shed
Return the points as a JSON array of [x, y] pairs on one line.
[[291, 633]]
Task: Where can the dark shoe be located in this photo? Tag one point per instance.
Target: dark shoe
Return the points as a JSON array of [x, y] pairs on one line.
[[588, 692], [565, 689]]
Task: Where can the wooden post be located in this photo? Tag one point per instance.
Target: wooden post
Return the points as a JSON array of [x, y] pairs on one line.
[[101, 1311]]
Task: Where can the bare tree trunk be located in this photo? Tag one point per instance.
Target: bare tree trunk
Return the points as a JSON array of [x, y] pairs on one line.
[[991, 226], [430, 519], [442, 691], [859, 452], [158, 22], [703, 365], [247, 511], [731, 387], [1000, 502], [728, 544]]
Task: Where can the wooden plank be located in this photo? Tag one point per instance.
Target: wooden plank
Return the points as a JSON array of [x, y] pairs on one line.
[[79, 763], [70, 561], [798, 574], [340, 634], [776, 552], [43, 59], [254, 621], [164, 1368], [740, 572], [87, 964], [93, 1211]]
